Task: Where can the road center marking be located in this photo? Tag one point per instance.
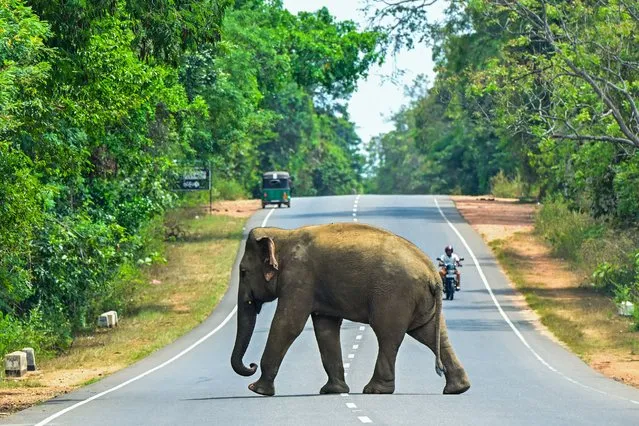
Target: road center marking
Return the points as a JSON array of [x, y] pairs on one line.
[[351, 405], [509, 322], [364, 419]]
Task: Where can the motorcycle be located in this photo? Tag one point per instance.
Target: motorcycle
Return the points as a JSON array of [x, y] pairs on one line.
[[450, 278]]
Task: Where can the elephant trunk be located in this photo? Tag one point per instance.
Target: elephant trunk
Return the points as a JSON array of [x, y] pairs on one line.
[[246, 317]]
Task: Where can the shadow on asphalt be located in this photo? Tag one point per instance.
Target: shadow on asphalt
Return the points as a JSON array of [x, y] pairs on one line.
[[430, 213], [223, 398]]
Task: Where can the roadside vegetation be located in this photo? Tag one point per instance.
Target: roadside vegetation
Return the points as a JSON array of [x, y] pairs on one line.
[[166, 297], [579, 314], [534, 100], [101, 102]]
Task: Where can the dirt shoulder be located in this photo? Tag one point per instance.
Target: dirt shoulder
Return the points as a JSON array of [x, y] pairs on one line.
[[580, 318], [237, 208]]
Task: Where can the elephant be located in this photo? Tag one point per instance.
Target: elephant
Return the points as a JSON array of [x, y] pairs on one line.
[[341, 271]]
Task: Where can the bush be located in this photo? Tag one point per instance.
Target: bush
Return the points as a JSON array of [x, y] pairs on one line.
[[34, 332], [229, 190], [621, 280], [566, 230], [503, 187]]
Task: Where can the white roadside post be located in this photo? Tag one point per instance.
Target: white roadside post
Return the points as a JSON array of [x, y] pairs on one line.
[[103, 320], [31, 364], [15, 364], [108, 319], [113, 316]]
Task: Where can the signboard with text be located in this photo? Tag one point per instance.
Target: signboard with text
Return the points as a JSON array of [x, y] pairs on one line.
[[195, 178]]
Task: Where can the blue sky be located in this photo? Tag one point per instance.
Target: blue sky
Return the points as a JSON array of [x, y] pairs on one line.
[[375, 99]]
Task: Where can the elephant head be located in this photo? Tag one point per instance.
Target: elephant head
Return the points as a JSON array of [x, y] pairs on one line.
[[258, 273]]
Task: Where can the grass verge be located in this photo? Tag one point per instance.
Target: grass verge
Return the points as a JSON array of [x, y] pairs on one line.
[[579, 316], [172, 299]]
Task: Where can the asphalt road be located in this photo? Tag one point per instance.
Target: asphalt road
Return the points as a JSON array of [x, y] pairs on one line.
[[518, 375]]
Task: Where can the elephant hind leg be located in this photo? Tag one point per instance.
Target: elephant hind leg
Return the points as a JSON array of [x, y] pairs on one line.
[[456, 379], [389, 324], [327, 331]]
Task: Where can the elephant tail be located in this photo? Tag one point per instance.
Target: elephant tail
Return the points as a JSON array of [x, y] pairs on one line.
[[437, 294]]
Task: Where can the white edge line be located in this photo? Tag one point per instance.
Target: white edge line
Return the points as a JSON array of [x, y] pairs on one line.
[[154, 369], [507, 319], [146, 373], [267, 217]]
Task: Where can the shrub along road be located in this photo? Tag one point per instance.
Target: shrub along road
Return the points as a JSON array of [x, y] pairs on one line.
[[518, 375]]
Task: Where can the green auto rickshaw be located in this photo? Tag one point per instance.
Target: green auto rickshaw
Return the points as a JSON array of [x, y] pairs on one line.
[[276, 189]]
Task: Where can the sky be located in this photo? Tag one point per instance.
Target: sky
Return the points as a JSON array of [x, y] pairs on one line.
[[376, 98]]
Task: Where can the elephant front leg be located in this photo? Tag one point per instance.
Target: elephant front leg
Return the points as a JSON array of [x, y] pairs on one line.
[[287, 324], [327, 330]]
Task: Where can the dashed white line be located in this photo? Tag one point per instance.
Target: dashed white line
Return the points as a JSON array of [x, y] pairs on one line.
[[351, 356], [364, 419], [344, 394], [355, 346], [362, 328], [351, 405], [358, 337], [347, 365], [509, 322]]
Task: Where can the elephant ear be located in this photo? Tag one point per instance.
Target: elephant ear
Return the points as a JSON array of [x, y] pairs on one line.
[[270, 262]]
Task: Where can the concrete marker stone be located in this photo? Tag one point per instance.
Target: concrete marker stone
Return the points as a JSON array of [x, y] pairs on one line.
[[15, 364], [31, 363]]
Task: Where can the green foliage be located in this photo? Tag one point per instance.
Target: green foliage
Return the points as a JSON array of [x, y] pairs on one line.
[[502, 186], [622, 280], [229, 190], [566, 230], [101, 99], [34, 331]]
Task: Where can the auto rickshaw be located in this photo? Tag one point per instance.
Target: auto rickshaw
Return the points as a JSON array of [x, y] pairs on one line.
[[276, 189]]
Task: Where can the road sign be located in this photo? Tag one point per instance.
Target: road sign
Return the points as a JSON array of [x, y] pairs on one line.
[[195, 178]]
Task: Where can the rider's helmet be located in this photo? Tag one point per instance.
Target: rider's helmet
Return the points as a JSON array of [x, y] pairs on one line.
[[448, 250]]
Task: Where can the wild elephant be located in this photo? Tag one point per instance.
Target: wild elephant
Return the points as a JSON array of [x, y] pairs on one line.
[[331, 272]]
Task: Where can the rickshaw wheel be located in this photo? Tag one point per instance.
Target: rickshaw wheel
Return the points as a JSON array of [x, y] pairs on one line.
[[279, 205]]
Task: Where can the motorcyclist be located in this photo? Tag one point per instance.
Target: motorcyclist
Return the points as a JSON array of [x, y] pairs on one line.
[[450, 257]]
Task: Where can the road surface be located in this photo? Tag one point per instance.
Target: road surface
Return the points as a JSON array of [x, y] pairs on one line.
[[519, 376]]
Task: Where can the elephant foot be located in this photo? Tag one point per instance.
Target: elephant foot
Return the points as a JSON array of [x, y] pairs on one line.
[[456, 384], [380, 387], [335, 386], [262, 388]]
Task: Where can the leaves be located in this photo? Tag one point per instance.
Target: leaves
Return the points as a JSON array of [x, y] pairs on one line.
[[100, 99]]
